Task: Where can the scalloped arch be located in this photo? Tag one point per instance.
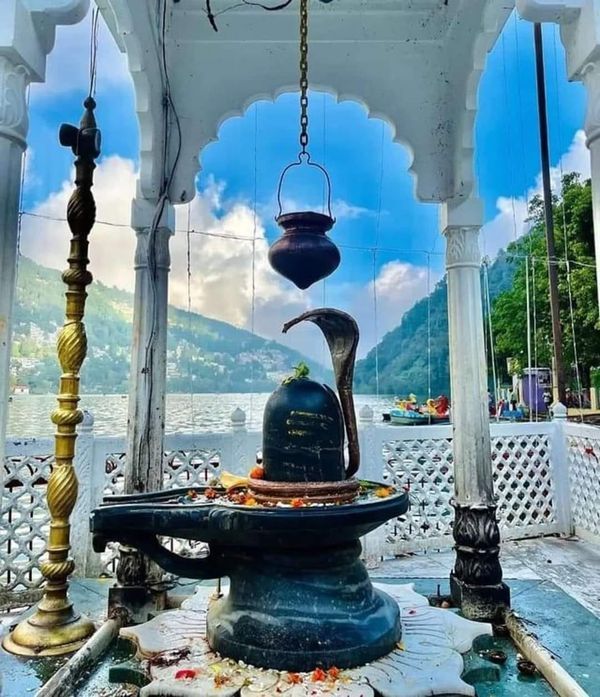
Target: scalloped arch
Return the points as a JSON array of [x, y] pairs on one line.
[[339, 98]]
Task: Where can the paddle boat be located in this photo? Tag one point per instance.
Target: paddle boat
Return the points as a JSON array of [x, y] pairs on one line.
[[407, 412]]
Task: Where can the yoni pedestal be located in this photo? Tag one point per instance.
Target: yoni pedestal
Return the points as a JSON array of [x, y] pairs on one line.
[[294, 609]]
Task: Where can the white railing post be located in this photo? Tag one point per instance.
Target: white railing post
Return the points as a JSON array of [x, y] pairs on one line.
[[80, 535], [560, 467], [371, 468], [241, 459]]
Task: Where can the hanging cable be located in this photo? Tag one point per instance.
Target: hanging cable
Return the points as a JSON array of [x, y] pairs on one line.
[[491, 331], [169, 111], [93, 51], [189, 312], [22, 190], [528, 310], [376, 324], [212, 16], [508, 121], [253, 271], [376, 245], [565, 238], [429, 327]]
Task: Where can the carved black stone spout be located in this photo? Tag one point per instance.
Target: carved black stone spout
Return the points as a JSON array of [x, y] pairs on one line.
[[304, 254]]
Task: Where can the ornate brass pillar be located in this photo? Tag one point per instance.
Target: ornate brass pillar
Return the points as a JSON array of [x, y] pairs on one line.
[[56, 628]]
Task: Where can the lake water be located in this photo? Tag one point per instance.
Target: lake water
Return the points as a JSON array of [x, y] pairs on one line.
[[29, 415]]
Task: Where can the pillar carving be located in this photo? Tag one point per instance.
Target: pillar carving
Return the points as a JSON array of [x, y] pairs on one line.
[[14, 121], [476, 581]]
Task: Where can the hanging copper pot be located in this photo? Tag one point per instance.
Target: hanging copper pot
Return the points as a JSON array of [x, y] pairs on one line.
[[304, 254]]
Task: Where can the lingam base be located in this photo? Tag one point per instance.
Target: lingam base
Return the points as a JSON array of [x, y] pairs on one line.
[[299, 594], [54, 629], [297, 609]]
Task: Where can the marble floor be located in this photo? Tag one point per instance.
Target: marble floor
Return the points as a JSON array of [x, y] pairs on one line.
[[554, 582], [570, 563]]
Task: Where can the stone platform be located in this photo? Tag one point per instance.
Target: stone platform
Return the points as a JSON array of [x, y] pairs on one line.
[[427, 661]]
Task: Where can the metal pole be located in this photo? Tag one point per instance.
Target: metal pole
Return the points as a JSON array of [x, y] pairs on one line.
[[548, 217]]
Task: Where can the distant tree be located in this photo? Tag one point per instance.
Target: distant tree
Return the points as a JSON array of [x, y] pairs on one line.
[[574, 241]]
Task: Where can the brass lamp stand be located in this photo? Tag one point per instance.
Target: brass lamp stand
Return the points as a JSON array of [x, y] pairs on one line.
[[55, 628]]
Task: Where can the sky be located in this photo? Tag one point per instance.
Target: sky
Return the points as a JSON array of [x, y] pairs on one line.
[[392, 251]]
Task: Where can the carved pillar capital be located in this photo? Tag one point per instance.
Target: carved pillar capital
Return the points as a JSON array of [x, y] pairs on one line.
[[158, 240], [462, 247], [14, 121]]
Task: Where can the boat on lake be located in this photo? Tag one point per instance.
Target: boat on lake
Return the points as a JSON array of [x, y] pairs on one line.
[[407, 412]]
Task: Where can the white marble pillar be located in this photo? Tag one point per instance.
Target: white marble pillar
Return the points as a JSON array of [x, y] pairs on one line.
[[476, 581], [14, 79], [146, 419]]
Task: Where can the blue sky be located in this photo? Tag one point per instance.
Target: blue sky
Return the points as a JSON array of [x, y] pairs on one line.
[[372, 190]]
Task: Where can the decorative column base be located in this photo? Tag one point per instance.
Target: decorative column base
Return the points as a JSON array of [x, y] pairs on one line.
[[53, 630], [476, 582], [134, 594]]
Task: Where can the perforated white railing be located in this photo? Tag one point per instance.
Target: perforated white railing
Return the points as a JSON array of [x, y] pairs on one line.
[[419, 459], [532, 465], [583, 448]]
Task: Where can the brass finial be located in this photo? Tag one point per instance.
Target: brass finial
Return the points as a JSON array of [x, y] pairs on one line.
[[56, 628]]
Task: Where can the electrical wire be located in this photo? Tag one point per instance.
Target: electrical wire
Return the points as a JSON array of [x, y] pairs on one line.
[[565, 237], [167, 179], [528, 311], [254, 232], [189, 312], [212, 16], [93, 51]]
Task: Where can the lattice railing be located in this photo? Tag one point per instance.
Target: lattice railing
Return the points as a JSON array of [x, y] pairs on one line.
[[529, 463], [24, 516], [420, 461], [583, 448]]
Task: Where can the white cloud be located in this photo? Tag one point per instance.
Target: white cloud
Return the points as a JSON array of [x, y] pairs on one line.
[[398, 287], [46, 240], [221, 267], [67, 66], [510, 221], [222, 277]]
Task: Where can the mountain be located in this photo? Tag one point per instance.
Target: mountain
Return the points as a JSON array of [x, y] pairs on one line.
[[204, 355], [402, 355]]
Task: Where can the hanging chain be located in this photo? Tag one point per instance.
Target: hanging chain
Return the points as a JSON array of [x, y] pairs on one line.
[[304, 75]]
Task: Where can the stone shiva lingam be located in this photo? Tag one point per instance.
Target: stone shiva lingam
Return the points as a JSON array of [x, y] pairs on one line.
[[287, 538]]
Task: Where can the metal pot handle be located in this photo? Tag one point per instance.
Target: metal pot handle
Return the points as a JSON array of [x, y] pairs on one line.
[[299, 163]]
